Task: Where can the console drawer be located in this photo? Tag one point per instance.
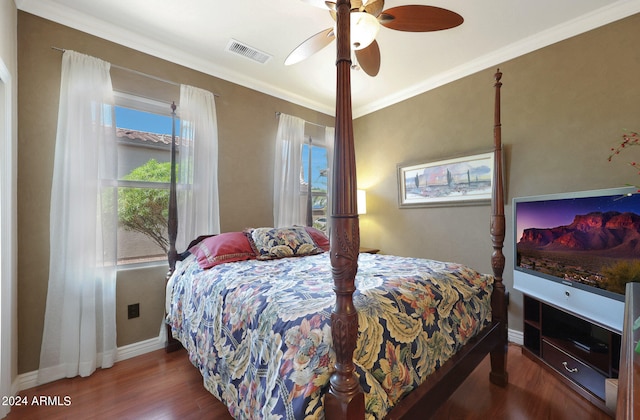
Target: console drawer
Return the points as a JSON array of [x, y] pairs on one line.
[[574, 369]]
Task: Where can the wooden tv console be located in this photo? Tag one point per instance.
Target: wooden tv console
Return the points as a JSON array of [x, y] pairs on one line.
[[583, 355]]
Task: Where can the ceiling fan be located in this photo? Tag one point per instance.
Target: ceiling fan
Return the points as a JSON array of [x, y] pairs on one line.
[[366, 18]]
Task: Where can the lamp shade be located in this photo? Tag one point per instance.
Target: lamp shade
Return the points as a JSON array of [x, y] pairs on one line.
[[364, 28], [361, 198]]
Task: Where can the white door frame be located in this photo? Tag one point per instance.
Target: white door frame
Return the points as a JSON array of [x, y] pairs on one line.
[[8, 169]]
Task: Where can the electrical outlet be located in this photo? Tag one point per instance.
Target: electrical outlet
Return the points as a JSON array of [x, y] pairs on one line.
[[133, 310]]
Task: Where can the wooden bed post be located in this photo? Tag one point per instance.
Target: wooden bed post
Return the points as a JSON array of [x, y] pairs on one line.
[[499, 298], [345, 399], [172, 225]]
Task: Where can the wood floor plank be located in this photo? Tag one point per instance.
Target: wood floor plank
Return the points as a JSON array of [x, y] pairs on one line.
[[165, 386], [532, 393]]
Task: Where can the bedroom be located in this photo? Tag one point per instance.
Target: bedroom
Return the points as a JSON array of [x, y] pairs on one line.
[[563, 107]]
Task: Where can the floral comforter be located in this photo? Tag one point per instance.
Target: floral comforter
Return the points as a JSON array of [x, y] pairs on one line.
[[260, 334]]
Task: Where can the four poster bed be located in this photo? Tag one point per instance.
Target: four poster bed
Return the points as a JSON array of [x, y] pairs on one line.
[[283, 324]]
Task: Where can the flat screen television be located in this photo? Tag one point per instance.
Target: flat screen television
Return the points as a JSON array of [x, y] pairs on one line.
[[576, 250]]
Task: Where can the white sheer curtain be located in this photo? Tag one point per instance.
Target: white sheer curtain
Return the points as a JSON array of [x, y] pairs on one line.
[[80, 320], [287, 209], [329, 141], [198, 203]]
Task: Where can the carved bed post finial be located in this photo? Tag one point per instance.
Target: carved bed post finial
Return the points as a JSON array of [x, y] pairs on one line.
[[345, 398], [499, 296]]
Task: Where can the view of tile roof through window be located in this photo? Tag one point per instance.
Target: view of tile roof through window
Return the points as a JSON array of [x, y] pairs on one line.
[[144, 136]]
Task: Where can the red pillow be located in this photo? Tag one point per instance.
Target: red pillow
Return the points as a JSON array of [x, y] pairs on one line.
[[222, 248], [318, 237]]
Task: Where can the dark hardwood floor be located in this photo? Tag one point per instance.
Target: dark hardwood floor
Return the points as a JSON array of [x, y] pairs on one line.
[[165, 386]]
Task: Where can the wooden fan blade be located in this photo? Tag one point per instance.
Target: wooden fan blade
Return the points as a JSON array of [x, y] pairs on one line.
[[310, 46], [374, 7], [369, 59], [420, 18]]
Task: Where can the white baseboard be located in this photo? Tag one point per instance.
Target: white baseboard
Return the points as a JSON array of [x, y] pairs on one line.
[[516, 337], [139, 348], [30, 379], [26, 381]]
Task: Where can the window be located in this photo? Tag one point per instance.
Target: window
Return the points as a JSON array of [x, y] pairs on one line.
[[315, 175], [143, 129]]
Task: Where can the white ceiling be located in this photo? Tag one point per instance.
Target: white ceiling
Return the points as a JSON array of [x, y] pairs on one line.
[[195, 33]]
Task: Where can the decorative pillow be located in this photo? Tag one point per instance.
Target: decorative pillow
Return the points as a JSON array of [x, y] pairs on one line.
[[222, 248], [318, 237], [271, 243]]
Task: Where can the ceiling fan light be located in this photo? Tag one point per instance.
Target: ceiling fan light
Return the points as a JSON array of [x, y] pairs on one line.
[[364, 28]]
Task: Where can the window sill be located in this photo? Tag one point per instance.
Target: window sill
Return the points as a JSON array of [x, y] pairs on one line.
[[145, 264]]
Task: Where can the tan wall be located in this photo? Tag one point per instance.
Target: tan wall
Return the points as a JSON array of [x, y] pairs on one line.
[[563, 108], [146, 287], [246, 126]]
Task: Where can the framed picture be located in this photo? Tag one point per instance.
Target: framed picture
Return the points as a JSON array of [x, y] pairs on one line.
[[458, 181]]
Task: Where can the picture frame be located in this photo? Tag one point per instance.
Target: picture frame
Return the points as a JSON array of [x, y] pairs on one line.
[[463, 180]]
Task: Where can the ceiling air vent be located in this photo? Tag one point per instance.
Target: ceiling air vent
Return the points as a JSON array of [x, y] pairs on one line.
[[247, 51]]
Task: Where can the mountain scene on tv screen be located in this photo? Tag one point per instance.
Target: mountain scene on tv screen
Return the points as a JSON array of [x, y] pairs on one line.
[[599, 249]]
